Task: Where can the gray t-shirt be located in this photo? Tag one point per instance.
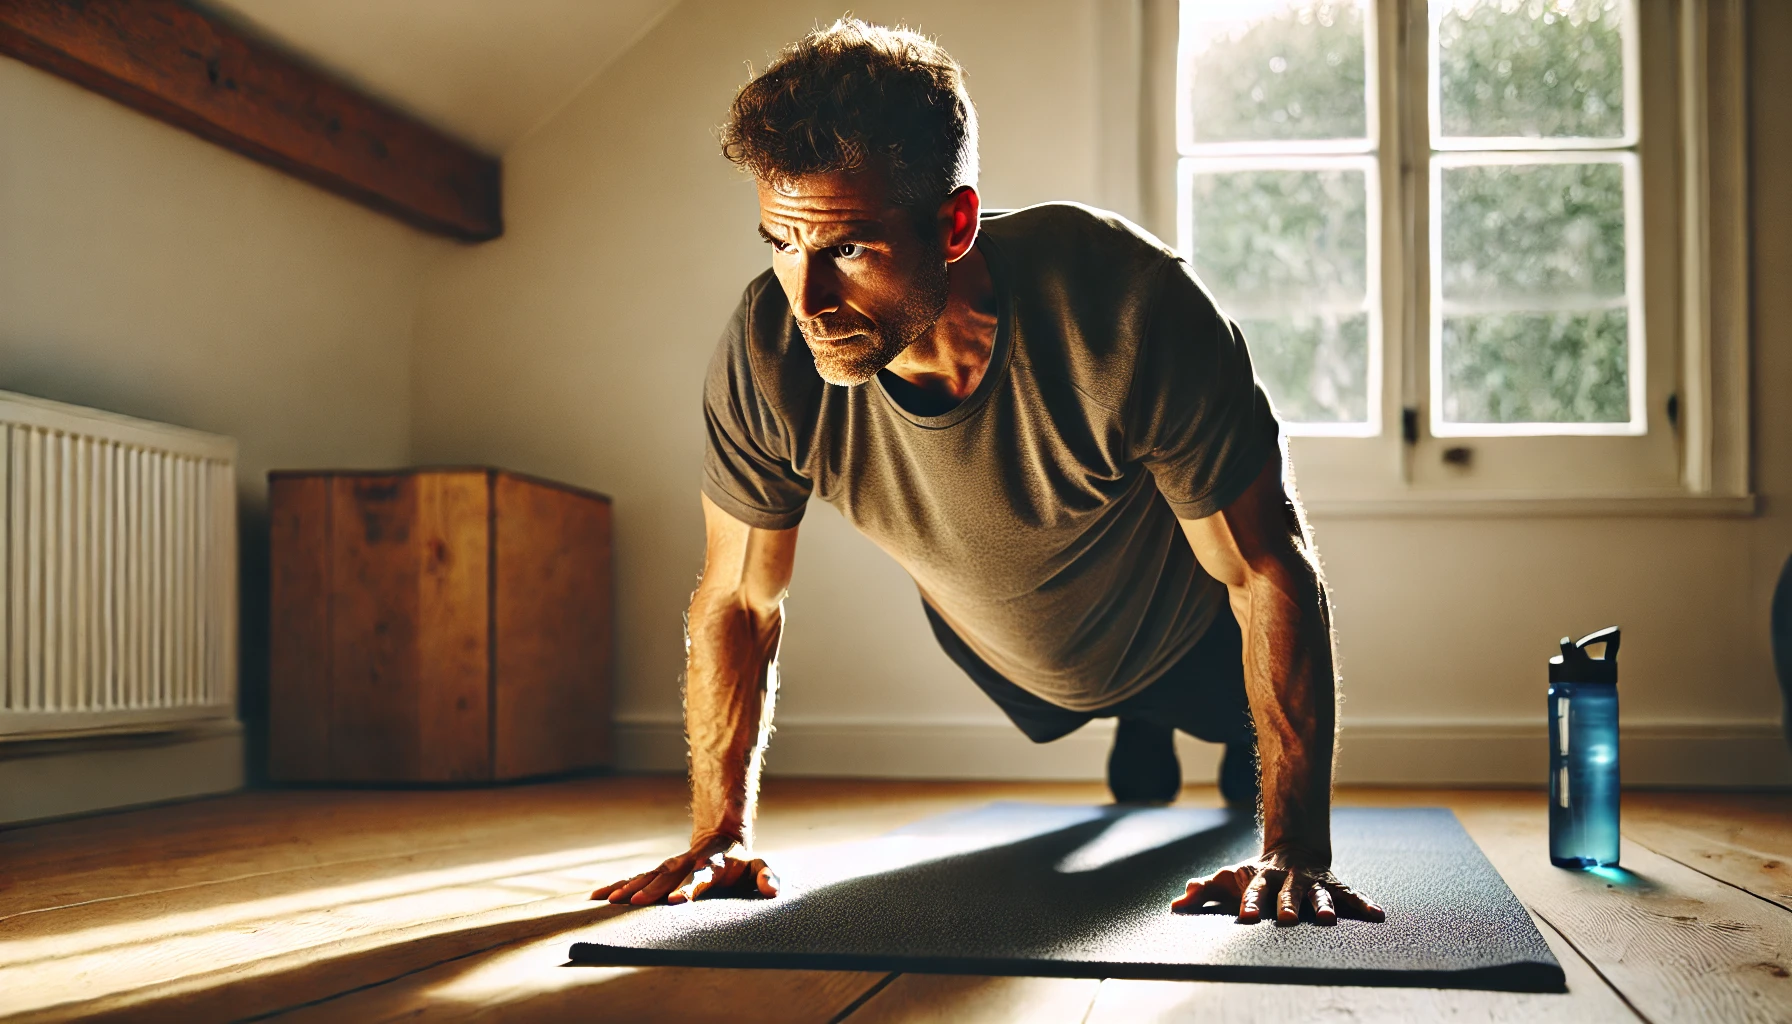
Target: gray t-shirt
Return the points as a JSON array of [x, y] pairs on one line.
[[1030, 514]]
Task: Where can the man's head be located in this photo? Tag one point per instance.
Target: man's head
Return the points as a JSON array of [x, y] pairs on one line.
[[864, 145]]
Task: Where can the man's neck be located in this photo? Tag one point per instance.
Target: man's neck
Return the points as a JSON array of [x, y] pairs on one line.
[[949, 361]]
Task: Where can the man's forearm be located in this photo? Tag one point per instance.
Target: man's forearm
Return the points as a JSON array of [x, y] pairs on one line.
[[1286, 623], [730, 689]]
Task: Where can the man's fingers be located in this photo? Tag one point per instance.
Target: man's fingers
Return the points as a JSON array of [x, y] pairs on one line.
[[765, 878], [1289, 895], [622, 892], [1194, 897], [659, 887], [1320, 899], [1352, 904], [603, 892], [1250, 909]]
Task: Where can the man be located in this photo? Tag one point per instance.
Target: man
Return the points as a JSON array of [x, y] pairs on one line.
[[1043, 418]]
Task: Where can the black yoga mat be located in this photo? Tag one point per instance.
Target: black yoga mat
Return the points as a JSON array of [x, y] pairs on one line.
[[1035, 889]]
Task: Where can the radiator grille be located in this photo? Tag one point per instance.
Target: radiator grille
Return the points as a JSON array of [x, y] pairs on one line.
[[117, 572]]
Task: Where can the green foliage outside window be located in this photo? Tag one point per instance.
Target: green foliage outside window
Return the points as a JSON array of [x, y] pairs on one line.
[[1536, 68], [1295, 75]]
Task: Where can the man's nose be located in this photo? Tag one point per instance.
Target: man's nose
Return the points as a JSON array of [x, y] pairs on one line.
[[816, 290]]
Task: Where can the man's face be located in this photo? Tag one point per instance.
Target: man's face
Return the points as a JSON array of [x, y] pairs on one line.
[[862, 280]]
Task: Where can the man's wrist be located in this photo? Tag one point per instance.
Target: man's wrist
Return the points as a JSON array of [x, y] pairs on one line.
[[1293, 853], [719, 839]]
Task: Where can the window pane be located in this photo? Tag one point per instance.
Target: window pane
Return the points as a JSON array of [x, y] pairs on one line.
[[1533, 304], [1533, 232], [1270, 70], [1315, 367], [1530, 68], [1286, 253], [1536, 368]]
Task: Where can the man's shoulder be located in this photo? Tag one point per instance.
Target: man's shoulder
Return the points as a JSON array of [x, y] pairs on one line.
[[764, 348], [1089, 283], [1073, 229]]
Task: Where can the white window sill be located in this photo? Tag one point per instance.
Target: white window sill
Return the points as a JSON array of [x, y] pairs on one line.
[[1493, 505]]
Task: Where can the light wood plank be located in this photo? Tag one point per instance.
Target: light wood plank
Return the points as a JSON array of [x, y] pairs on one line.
[[531, 981], [119, 855], [950, 998], [1681, 946], [300, 977], [1588, 999], [1742, 839], [194, 948]]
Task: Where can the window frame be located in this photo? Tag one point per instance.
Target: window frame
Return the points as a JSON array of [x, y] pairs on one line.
[[1695, 339]]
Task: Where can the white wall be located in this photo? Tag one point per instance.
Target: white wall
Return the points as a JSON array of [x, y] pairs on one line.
[[145, 271], [575, 347]]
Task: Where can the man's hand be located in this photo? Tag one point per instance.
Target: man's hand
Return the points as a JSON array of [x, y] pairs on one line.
[[1243, 888], [703, 871]]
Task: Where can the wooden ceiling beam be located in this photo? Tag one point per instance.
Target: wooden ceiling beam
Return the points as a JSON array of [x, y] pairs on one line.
[[174, 63]]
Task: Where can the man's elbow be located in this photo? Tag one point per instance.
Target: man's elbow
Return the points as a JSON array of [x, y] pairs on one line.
[[737, 603], [1284, 575]]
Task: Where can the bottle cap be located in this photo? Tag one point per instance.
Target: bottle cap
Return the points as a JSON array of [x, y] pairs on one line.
[[1575, 665]]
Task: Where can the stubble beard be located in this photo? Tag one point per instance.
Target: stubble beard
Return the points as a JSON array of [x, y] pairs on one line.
[[863, 346]]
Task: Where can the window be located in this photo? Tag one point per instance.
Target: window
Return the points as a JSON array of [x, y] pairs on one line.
[[1453, 232], [1536, 319], [1278, 186]]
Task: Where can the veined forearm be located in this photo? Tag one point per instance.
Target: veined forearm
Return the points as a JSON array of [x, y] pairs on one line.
[[1293, 695], [730, 689]]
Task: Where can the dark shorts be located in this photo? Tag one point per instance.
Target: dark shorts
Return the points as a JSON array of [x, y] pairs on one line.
[[1203, 694]]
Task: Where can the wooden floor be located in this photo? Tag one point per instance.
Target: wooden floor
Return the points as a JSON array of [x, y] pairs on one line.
[[306, 905]]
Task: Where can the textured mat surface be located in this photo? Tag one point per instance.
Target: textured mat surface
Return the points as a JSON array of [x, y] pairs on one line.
[[1034, 889]]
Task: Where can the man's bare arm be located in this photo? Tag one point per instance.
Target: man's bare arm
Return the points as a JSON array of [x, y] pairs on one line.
[[736, 622], [1259, 548]]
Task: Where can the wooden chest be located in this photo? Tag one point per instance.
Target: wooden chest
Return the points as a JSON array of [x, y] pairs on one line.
[[437, 625]]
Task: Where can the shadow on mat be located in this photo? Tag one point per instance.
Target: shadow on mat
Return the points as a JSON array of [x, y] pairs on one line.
[[1031, 897]]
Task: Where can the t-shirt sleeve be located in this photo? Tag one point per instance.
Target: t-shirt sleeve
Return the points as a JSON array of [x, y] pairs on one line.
[[746, 466], [1196, 416]]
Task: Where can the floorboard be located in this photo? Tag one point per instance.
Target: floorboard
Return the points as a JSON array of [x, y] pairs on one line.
[[1742, 839], [530, 982], [949, 999], [311, 905], [1680, 945]]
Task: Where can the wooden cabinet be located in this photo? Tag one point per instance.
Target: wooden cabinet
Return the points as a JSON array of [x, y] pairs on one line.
[[437, 625]]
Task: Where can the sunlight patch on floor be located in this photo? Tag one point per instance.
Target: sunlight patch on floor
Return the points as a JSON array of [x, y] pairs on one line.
[[90, 962]]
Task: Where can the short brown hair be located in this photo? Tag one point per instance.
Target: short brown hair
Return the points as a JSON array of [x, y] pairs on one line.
[[852, 96]]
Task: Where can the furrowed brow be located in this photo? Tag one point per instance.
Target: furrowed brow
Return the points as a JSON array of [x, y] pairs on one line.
[[837, 233]]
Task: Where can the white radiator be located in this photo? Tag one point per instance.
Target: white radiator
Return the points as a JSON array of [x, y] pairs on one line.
[[117, 572]]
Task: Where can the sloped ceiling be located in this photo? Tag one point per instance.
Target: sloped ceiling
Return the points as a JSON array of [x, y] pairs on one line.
[[486, 71]]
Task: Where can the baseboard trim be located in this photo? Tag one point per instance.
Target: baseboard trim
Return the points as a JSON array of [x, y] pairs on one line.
[[1395, 753], [59, 778]]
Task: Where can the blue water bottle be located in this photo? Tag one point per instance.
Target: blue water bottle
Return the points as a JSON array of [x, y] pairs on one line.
[[1583, 753]]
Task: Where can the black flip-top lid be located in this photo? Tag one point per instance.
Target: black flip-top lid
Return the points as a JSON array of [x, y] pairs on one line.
[[1575, 665]]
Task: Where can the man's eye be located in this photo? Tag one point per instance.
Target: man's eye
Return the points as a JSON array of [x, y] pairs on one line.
[[849, 251]]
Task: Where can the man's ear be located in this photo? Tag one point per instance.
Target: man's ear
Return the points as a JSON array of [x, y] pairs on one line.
[[958, 222]]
